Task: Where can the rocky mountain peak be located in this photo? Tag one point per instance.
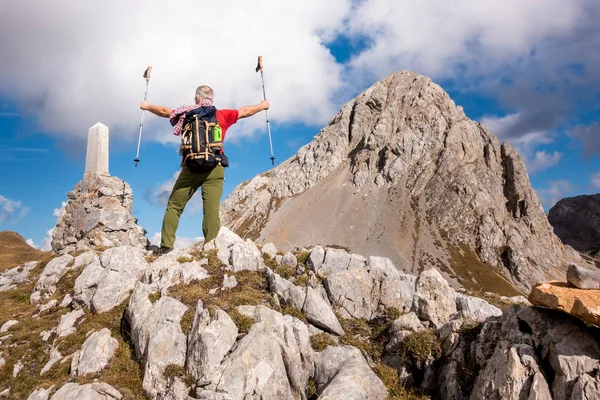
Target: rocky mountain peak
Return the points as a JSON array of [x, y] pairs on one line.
[[401, 171]]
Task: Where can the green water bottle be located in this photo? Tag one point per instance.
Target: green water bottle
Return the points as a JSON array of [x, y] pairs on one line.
[[217, 134]]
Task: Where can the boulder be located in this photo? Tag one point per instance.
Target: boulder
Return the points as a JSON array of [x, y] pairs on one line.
[[234, 251], [363, 291], [307, 300], [343, 373], [41, 394], [474, 308], [90, 391], [55, 357], [11, 277], [97, 214], [270, 250], [108, 280], [434, 299], [273, 361], [46, 284], [583, 278], [581, 303], [289, 260], [156, 335], [67, 323], [96, 352], [7, 325], [209, 340]]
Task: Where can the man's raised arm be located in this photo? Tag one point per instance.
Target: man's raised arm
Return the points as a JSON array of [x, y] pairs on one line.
[[249, 111], [161, 111]]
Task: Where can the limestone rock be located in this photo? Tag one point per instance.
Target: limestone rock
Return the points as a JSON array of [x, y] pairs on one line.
[[316, 258], [289, 260], [229, 282], [507, 353], [586, 388], [108, 280], [46, 284], [402, 172], [156, 335], [11, 277], [90, 391], [362, 291], [67, 323], [581, 303], [307, 300], [209, 340], [96, 352], [434, 299], [270, 250], [193, 271], [474, 308], [576, 221], [583, 278], [343, 373], [41, 394], [166, 271], [273, 361], [97, 214], [233, 251], [55, 357], [7, 325]]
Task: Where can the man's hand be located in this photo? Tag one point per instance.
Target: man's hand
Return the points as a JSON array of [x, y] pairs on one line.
[[249, 111], [161, 111]]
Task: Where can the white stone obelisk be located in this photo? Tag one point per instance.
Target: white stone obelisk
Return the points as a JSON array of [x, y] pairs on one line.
[[96, 159]]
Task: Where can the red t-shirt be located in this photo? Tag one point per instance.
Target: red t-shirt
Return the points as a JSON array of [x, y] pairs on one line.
[[226, 118]]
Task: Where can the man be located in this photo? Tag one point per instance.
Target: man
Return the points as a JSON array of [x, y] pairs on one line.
[[188, 181]]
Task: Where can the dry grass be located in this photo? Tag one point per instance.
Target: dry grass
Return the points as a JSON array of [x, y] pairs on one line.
[[396, 389], [252, 289], [320, 341], [14, 251], [370, 337], [475, 275], [419, 347]]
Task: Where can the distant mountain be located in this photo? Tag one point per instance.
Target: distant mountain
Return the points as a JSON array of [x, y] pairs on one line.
[[15, 251], [576, 221], [402, 172]]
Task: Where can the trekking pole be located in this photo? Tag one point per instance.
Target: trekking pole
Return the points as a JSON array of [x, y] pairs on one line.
[[259, 67], [137, 154]]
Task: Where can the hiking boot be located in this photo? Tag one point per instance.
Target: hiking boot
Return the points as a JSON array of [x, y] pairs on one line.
[[159, 251]]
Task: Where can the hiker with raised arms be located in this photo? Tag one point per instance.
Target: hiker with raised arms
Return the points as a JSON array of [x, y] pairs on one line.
[[202, 129]]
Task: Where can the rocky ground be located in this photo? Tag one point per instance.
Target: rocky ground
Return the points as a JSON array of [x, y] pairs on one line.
[[230, 320]]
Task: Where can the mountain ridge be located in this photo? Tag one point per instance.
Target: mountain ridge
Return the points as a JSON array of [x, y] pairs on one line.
[[403, 172]]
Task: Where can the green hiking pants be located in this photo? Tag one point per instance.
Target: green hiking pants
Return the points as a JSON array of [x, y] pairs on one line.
[[186, 185]]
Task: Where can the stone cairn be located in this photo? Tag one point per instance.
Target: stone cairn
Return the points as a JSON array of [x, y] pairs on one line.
[[98, 211]]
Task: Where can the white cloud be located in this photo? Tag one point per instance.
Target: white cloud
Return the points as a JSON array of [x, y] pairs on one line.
[[160, 193], [542, 161], [437, 37], [595, 180], [11, 211], [526, 143], [93, 71], [46, 244], [58, 211], [180, 242], [555, 191]]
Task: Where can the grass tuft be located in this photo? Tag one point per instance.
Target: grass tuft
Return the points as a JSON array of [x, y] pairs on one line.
[[320, 341], [419, 346]]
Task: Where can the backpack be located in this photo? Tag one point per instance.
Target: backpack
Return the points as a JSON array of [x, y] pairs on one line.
[[202, 141]]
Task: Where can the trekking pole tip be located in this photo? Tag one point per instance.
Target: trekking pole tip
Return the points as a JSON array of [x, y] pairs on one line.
[[136, 161]]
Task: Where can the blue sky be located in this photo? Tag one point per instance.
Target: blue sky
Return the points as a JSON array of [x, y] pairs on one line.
[[529, 71]]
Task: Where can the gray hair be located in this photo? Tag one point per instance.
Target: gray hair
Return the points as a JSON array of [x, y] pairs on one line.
[[204, 93]]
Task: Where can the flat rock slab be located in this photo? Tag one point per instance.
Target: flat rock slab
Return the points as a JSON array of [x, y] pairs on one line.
[[581, 303]]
